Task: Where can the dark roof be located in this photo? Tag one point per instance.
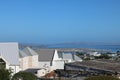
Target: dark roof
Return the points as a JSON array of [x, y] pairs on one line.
[[45, 54], [31, 70], [103, 65]]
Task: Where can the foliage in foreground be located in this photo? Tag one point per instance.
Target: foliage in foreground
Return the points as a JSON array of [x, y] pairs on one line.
[[102, 78], [5, 74], [24, 76]]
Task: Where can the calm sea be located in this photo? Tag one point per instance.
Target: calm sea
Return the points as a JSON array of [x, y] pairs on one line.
[[112, 48]]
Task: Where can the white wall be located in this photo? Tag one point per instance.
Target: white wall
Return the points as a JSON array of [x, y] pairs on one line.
[[7, 66], [35, 61], [58, 64], [24, 63], [28, 62], [43, 64], [45, 68]]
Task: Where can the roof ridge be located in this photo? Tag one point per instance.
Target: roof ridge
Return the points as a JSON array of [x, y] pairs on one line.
[[30, 51]]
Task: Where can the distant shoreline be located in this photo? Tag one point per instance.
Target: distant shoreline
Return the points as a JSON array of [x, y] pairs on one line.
[[113, 48]]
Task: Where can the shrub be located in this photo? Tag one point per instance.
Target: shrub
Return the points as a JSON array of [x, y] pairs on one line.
[[24, 76], [5, 74]]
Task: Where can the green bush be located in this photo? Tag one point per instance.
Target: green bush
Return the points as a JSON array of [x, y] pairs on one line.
[[24, 76], [5, 74], [102, 78]]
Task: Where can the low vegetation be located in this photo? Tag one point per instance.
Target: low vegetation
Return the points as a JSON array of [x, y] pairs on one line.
[[24, 76], [102, 78], [5, 74], [103, 56]]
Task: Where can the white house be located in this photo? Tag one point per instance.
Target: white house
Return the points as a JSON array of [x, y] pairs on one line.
[[93, 53], [62, 57], [28, 59], [52, 59], [9, 56], [46, 60], [57, 61]]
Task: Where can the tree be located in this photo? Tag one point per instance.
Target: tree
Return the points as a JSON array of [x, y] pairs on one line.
[[102, 78], [24, 76], [5, 74]]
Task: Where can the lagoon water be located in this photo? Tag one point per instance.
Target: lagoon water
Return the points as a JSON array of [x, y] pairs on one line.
[[112, 48]]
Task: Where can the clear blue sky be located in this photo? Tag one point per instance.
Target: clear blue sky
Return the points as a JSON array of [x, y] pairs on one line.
[[57, 21]]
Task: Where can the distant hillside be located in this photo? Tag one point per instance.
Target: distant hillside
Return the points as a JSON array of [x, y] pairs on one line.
[[87, 43], [33, 46]]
